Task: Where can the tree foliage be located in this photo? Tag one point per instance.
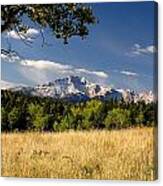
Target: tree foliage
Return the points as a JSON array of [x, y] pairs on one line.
[[64, 20], [22, 112], [39, 120], [118, 118], [14, 118]]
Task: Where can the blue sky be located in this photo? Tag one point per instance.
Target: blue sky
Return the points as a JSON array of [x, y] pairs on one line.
[[119, 50]]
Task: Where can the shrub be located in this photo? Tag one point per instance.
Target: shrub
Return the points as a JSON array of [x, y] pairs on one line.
[[14, 118], [117, 118], [38, 118]]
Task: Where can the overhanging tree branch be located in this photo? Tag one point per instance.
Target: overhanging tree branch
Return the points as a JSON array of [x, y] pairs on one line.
[[64, 20]]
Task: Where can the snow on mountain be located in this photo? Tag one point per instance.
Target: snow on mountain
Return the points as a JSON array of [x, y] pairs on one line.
[[76, 88]]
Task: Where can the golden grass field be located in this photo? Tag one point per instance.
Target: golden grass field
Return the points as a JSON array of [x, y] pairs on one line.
[[121, 154]]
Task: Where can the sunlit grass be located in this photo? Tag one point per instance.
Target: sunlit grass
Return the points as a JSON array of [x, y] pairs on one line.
[[123, 154]]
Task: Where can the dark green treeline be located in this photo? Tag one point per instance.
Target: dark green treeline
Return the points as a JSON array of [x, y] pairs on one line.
[[20, 112]]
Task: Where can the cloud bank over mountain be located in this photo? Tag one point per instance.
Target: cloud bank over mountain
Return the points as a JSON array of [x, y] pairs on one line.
[[41, 71]]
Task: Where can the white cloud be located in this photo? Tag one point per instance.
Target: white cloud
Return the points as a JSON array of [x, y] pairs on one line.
[[151, 49], [97, 73], [137, 45], [137, 50], [41, 71], [61, 68], [3, 56], [10, 57], [12, 34], [41, 64], [31, 32], [7, 84], [128, 73]]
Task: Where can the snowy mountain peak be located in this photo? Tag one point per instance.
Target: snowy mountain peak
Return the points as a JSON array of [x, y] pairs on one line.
[[77, 88]]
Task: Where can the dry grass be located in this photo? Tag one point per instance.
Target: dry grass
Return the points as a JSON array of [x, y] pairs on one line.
[[124, 154]]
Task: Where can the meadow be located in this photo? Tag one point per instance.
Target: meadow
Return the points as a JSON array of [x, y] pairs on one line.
[[116, 154]]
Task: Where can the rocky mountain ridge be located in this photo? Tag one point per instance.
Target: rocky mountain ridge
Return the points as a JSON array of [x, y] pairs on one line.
[[76, 88]]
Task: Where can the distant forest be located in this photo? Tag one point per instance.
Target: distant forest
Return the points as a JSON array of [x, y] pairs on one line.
[[31, 113]]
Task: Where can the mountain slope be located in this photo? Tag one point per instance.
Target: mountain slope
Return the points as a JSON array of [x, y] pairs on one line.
[[76, 88]]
